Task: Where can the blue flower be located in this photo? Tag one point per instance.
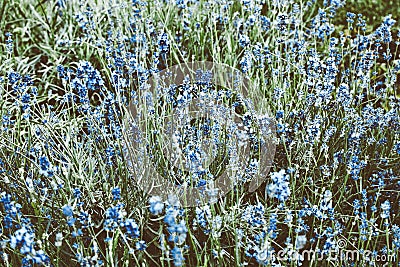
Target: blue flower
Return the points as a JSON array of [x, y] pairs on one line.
[[156, 206], [114, 217], [77, 193], [301, 240], [177, 256], [254, 215], [279, 188], [46, 168], [67, 211], [116, 192], [178, 232], [131, 227], [279, 114], [14, 77], [244, 40], [385, 207], [397, 148], [140, 245]]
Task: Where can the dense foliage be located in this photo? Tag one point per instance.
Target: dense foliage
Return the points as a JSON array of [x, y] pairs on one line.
[[328, 76]]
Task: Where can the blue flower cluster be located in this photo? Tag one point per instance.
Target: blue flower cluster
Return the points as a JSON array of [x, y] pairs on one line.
[[279, 188], [175, 225], [18, 233]]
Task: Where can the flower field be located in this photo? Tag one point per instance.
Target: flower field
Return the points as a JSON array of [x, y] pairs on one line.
[[199, 133]]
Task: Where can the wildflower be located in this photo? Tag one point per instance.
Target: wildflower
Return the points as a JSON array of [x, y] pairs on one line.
[[131, 228], [385, 207], [279, 114], [246, 62], [163, 43], [156, 206], [59, 238], [326, 202], [301, 240], [140, 245], [177, 256], [383, 33], [244, 40], [9, 43], [116, 192], [67, 211], [203, 215], [77, 193], [46, 168], [114, 217], [254, 215], [279, 188]]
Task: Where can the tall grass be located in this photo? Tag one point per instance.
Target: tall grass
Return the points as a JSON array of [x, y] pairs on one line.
[[69, 197]]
